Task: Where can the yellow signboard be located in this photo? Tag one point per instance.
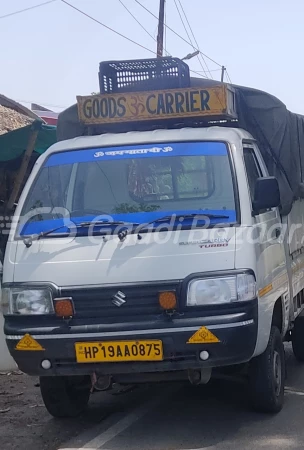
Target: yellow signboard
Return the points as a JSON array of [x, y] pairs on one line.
[[28, 343], [155, 105], [203, 336]]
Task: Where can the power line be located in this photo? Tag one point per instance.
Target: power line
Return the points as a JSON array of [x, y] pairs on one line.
[[182, 20], [212, 70], [229, 79], [27, 9], [198, 73], [136, 20], [108, 28], [140, 24], [183, 39], [189, 37], [195, 40]]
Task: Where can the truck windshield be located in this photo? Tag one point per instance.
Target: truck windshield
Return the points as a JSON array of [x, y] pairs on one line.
[[136, 183]]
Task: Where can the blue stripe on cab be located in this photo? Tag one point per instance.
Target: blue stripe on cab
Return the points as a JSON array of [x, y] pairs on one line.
[[137, 151]]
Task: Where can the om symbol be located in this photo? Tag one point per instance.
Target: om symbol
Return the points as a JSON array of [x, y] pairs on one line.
[[137, 106]]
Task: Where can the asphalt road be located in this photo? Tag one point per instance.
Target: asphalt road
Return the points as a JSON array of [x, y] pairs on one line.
[[166, 417], [184, 417]]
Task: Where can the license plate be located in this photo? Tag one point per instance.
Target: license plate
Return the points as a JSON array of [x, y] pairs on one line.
[[118, 351]]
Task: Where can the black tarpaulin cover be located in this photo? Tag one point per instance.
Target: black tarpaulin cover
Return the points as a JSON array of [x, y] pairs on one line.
[[279, 133]]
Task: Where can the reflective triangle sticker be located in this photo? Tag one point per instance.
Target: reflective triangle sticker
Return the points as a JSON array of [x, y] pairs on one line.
[[203, 336], [28, 343]]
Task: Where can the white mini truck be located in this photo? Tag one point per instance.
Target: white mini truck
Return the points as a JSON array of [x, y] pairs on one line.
[[155, 255]]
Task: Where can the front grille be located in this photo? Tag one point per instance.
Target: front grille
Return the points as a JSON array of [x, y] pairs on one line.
[[140, 300]]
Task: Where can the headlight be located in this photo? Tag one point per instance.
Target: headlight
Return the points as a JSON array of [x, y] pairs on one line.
[[26, 301], [212, 291]]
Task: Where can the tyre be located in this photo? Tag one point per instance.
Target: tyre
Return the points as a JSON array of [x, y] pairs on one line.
[[297, 338], [65, 396], [267, 376]]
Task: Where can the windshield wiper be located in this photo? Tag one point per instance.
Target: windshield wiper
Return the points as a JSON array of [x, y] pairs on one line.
[[189, 216], [28, 240], [135, 227], [123, 234]]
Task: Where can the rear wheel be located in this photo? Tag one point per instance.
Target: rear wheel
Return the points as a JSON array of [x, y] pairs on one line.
[[65, 396], [297, 338], [267, 376]]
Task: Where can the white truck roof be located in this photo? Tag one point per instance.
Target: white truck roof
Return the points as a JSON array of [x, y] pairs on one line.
[[232, 135]]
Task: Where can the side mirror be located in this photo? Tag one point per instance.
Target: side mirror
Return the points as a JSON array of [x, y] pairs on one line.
[[266, 194]]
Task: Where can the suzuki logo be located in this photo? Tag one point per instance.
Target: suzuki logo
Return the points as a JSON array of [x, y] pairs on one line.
[[119, 299]]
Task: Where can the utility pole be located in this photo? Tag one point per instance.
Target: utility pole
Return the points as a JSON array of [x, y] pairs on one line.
[[161, 26], [223, 74]]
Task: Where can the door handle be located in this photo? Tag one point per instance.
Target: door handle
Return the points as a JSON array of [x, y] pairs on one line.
[[277, 232]]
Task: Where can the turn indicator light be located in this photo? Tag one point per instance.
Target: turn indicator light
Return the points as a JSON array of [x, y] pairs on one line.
[[64, 307], [167, 300]]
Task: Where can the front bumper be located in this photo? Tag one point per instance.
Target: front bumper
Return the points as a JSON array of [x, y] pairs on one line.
[[237, 333]]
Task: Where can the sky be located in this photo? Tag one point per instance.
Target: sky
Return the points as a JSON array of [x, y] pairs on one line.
[[52, 53]]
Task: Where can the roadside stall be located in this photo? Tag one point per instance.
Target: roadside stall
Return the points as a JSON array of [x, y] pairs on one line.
[[19, 149], [23, 137]]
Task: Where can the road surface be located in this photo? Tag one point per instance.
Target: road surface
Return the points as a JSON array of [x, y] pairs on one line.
[[166, 417]]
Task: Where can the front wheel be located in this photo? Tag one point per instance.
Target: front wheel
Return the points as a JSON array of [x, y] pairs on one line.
[[267, 376], [65, 396]]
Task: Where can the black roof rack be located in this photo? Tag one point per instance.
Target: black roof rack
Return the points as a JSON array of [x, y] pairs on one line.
[[143, 75]]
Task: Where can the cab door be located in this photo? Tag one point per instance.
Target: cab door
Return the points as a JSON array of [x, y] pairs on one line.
[[272, 281]]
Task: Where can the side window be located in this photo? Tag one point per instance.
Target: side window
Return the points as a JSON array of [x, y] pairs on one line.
[[252, 168]]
